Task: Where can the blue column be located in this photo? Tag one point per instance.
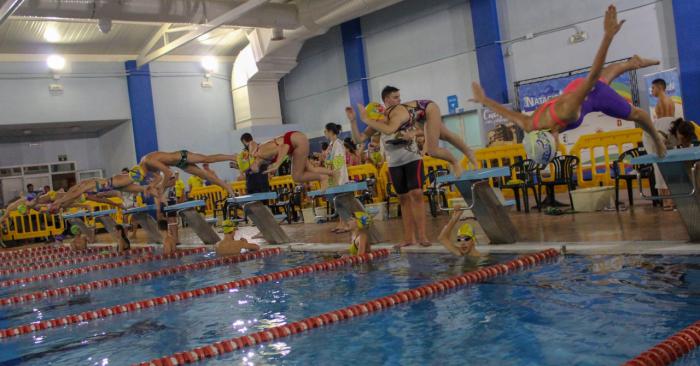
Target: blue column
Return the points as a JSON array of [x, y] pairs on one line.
[[686, 14], [489, 56], [354, 50], [143, 118]]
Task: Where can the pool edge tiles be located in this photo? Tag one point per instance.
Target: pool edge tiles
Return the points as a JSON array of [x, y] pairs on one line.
[[189, 294], [132, 278], [414, 294], [583, 248]]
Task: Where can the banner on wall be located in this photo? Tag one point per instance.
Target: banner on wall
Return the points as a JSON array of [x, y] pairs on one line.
[[532, 95], [497, 130], [673, 90]]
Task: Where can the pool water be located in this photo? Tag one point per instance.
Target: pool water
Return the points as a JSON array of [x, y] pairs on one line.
[[576, 311]]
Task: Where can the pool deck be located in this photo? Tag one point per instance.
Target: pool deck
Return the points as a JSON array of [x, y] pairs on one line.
[[641, 230]]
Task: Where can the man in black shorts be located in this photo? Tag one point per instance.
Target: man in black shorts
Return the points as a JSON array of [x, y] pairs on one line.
[[405, 169]]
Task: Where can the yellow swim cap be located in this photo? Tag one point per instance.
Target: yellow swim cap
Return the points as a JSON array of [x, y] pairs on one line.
[[362, 219], [375, 111], [228, 226], [465, 232], [137, 174]]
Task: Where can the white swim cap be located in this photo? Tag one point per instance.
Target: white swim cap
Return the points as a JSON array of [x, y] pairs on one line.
[[540, 146]]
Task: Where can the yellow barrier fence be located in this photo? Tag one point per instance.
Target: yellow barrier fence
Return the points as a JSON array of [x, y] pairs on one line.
[[210, 195], [597, 152], [366, 171], [33, 225]]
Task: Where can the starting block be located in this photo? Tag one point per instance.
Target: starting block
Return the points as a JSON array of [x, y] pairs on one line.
[[489, 210], [346, 204], [140, 216], [681, 171], [77, 219], [262, 217], [199, 225], [108, 222]]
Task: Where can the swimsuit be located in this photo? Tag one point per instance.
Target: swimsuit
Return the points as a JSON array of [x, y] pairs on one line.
[[286, 140], [602, 98], [416, 114], [182, 164]]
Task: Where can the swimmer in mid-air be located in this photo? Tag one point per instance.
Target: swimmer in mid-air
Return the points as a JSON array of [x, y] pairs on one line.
[[581, 97]]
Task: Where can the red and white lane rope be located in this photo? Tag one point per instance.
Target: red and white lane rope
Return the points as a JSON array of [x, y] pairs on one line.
[[31, 252], [670, 350], [99, 267], [414, 294], [77, 260], [184, 295], [141, 276], [43, 257]]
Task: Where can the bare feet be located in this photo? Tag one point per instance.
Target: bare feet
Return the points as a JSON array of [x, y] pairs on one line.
[[404, 244], [640, 63]]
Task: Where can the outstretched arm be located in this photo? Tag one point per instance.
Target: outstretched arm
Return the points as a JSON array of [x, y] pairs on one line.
[[520, 119], [444, 236], [282, 152], [611, 26], [356, 135]]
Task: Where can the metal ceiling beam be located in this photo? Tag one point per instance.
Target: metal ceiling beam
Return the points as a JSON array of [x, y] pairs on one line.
[[229, 16], [8, 7]]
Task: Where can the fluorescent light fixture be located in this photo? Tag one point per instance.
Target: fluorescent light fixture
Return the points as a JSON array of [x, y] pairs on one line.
[[56, 62], [52, 35], [209, 63]]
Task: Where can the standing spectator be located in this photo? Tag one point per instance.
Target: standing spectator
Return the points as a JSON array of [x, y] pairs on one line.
[[336, 160], [665, 106]]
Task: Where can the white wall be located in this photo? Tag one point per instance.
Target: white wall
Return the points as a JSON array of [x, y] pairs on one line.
[[92, 91], [118, 149], [426, 51], [315, 92], [191, 117], [87, 153], [648, 32]]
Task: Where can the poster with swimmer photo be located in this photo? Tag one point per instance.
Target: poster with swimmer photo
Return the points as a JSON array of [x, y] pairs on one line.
[[497, 130], [673, 90]]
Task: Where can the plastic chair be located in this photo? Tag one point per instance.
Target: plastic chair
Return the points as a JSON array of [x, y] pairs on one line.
[[527, 176], [564, 167], [646, 171]]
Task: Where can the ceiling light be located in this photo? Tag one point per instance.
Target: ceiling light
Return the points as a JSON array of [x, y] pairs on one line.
[[52, 35], [578, 37], [209, 63], [56, 62]]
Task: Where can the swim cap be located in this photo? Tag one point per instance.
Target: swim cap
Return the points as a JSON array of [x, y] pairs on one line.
[[540, 146], [22, 209], [137, 174], [465, 232], [362, 219], [52, 195], [75, 230], [375, 111], [228, 226]]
